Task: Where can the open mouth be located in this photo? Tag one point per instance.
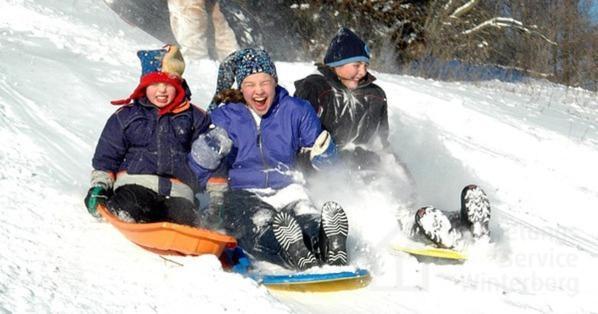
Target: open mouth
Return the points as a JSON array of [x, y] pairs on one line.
[[260, 101], [162, 98]]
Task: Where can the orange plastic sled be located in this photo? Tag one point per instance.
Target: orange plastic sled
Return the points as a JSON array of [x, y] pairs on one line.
[[170, 238]]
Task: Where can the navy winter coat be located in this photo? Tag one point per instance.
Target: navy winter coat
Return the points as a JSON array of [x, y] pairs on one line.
[[139, 141], [264, 157]]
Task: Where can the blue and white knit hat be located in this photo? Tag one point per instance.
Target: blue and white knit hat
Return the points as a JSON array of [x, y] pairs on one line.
[[346, 47], [242, 63]]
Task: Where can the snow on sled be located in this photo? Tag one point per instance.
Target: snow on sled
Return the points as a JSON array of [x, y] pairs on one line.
[[432, 252], [313, 280], [169, 238]]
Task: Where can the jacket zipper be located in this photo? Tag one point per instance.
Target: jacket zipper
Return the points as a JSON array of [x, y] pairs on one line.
[[261, 146], [158, 142]]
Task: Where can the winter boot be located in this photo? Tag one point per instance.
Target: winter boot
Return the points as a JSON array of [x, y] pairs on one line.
[[436, 226], [333, 233], [288, 234], [475, 211]]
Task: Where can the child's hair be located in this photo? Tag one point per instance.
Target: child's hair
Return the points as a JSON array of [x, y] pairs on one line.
[[229, 95]]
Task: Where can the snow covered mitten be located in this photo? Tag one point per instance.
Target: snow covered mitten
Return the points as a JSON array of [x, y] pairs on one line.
[[290, 238], [475, 210], [334, 231], [210, 147], [436, 226]]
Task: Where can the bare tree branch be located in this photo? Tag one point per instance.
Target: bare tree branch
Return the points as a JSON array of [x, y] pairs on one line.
[[500, 22], [464, 9]]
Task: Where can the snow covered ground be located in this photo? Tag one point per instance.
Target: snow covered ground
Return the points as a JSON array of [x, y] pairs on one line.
[[533, 147]]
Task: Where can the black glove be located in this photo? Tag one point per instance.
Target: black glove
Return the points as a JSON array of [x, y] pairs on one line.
[[95, 196]]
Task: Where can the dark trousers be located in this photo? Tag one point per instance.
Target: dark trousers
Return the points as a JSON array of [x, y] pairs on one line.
[[249, 219], [144, 205]]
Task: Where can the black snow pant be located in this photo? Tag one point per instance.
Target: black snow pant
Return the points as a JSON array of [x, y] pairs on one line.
[[143, 205], [249, 219]]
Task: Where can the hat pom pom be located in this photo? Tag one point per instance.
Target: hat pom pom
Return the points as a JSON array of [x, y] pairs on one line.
[[173, 62]]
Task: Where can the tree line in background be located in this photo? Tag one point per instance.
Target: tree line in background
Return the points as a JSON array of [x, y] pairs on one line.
[[444, 39], [552, 39]]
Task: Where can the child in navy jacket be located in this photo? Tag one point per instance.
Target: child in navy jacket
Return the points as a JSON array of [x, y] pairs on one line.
[[140, 168]]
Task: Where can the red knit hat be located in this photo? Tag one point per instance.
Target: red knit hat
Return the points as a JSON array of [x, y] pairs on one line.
[[160, 66]]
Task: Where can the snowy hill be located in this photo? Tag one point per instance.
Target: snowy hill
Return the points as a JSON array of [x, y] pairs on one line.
[[533, 147]]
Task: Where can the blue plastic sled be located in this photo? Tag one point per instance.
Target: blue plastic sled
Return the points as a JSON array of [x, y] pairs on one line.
[[301, 282]]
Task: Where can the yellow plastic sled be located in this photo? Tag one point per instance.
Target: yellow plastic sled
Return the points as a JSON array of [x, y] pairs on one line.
[[432, 252]]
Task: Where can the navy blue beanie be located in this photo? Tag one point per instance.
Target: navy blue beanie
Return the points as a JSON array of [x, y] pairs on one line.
[[346, 47]]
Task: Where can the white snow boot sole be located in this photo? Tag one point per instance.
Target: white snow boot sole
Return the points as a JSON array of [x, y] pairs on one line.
[[475, 210], [288, 234], [437, 227], [335, 228]]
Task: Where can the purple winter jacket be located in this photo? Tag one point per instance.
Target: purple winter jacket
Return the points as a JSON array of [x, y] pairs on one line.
[[264, 156], [139, 141]]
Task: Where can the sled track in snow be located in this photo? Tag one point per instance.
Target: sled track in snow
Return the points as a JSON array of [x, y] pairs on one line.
[[569, 236]]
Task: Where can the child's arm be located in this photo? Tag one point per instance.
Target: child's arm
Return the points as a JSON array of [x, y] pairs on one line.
[[207, 152], [201, 122], [319, 143], [111, 148], [107, 159], [383, 129], [310, 89]]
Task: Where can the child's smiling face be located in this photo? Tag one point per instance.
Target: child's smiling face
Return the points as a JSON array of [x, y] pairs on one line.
[[259, 90], [160, 94], [351, 73]]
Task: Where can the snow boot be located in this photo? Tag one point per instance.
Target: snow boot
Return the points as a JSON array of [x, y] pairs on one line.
[[475, 211], [333, 233], [437, 227], [290, 238]]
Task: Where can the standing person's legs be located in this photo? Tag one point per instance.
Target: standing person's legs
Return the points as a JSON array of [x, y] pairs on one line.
[[189, 23], [224, 36]]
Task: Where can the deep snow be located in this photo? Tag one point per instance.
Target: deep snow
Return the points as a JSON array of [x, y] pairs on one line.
[[533, 147]]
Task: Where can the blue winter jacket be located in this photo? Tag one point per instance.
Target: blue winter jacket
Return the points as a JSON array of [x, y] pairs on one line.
[[139, 141], [264, 157]]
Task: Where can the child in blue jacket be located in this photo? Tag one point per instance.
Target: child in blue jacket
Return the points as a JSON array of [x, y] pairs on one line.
[[140, 163], [256, 136]]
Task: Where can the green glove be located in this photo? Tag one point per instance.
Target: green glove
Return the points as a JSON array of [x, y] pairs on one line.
[[95, 196]]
